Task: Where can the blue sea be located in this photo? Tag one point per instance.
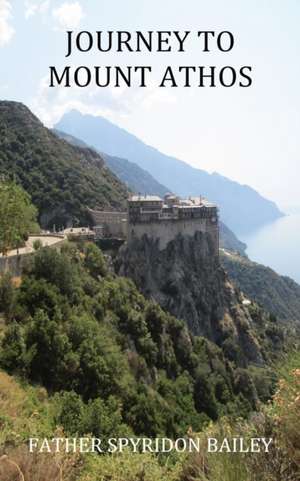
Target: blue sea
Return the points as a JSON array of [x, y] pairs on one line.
[[277, 245]]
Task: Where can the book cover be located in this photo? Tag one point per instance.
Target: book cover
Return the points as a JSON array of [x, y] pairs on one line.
[[149, 241]]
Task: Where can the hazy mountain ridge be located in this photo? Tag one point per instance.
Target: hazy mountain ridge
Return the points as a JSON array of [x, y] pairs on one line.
[[242, 208], [277, 294], [137, 179], [229, 241]]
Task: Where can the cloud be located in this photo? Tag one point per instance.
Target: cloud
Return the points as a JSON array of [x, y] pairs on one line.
[[68, 15], [115, 104], [36, 7], [6, 29]]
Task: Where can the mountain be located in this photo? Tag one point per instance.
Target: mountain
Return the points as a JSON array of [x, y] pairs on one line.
[[277, 294], [136, 178], [62, 179], [242, 208]]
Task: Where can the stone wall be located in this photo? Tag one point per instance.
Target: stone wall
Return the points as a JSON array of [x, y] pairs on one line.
[[116, 230], [167, 230], [114, 223], [16, 264]]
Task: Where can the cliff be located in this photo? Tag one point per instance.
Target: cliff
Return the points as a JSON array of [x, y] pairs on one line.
[[188, 281]]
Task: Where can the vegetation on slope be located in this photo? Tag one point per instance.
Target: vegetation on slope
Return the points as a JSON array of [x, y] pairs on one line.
[[72, 326], [277, 294], [62, 179], [27, 411]]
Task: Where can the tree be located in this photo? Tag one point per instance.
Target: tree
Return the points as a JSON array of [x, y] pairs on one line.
[[7, 296], [17, 216], [94, 261], [204, 397]]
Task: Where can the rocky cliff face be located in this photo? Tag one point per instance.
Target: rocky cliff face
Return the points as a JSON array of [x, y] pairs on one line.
[[186, 280]]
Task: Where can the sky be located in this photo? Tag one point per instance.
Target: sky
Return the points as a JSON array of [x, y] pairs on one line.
[[247, 134]]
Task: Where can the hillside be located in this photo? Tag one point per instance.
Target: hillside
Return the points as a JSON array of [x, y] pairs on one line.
[[117, 361], [277, 294], [136, 178], [242, 208], [62, 179], [28, 411]]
